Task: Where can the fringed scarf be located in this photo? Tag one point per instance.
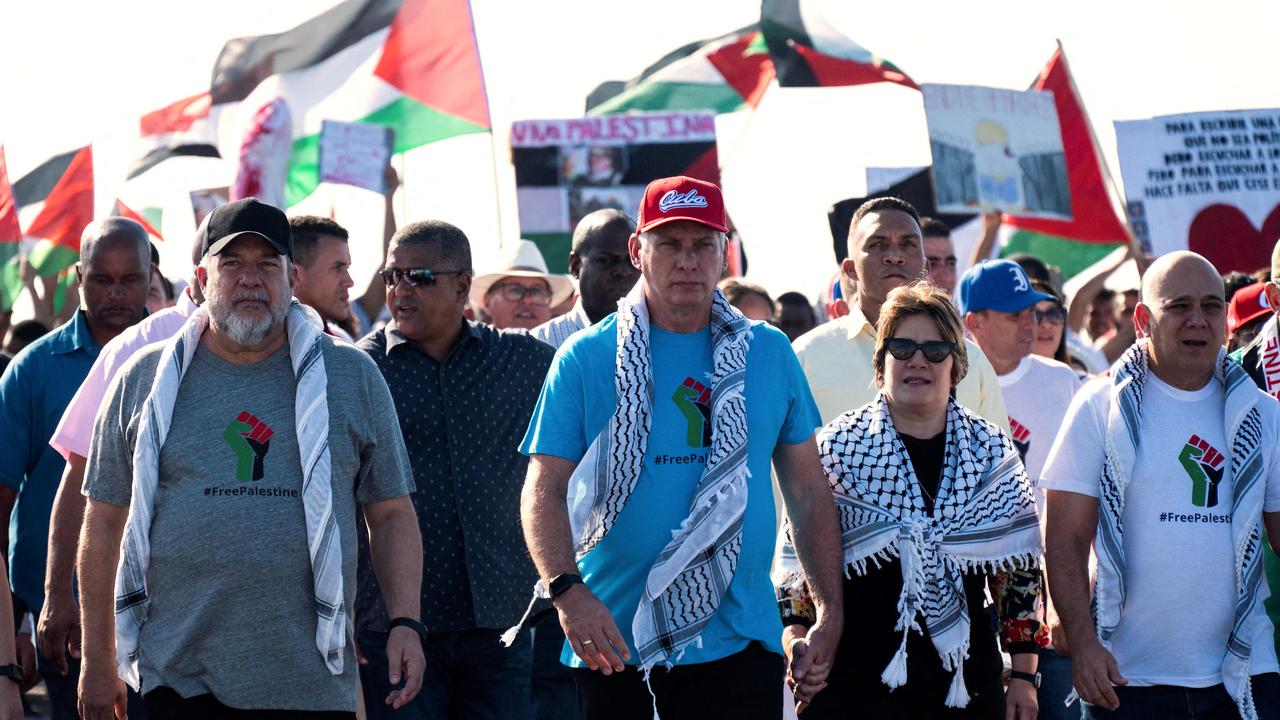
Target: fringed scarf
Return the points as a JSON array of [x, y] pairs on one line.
[[1244, 432], [156, 413], [984, 519], [692, 573]]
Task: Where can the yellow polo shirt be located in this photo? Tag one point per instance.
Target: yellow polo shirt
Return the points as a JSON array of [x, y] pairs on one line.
[[837, 360]]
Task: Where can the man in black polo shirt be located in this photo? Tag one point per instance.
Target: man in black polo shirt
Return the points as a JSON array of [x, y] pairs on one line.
[[464, 393]]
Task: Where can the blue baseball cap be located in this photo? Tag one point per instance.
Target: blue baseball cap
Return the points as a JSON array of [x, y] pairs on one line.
[[1000, 285]]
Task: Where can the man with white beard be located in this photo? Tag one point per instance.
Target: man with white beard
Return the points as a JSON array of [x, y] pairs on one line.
[[231, 459]]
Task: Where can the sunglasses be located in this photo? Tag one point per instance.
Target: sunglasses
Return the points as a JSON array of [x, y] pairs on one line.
[[1053, 316], [416, 277], [935, 351]]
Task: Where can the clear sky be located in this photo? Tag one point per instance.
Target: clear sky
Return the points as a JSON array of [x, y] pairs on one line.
[[76, 70]]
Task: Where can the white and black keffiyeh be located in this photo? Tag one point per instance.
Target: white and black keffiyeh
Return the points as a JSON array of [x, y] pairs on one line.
[[312, 422], [692, 573], [1243, 423], [983, 518]]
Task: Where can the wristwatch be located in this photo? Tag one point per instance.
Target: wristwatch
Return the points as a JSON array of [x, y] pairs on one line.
[[13, 672], [412, 624], [560, 584], [1033, 678]]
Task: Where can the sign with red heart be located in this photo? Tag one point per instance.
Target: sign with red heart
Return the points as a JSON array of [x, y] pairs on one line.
[[1207, 182]]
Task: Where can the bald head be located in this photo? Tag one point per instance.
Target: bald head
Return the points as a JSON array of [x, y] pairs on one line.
[[1168, 275], [1184, 314], [601, 223], [111, 231]]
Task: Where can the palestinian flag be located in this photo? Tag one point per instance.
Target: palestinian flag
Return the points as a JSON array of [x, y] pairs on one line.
[[808, 52], [721, 74], [10, 242], [64, 186], [183, 128], [1095, 228], [412, 65], [148, 218]]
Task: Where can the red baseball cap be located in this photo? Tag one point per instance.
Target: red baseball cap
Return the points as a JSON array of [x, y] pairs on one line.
[[681, 198], [1249, 303]]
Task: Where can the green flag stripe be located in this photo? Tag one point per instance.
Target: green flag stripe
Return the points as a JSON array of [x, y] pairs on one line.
[[415, 125], [1070, 256], [50, 259], [673, 96], [10, 283]]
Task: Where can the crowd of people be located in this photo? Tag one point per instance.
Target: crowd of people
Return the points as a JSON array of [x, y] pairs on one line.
[[931, 495]]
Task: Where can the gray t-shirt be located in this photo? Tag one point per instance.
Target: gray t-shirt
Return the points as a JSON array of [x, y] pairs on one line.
[[230, 579]]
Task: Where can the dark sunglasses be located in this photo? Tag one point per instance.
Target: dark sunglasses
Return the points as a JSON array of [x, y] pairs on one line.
[[1053, 316], [935, 351], [416, 277]]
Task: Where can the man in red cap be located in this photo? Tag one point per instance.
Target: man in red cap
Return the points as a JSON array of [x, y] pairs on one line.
[[1247, 312], [648, 510]]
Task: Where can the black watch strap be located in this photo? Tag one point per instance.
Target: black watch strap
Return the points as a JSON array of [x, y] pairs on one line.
[[1033, 678], [412, 624], [13, 672], [561, 583]]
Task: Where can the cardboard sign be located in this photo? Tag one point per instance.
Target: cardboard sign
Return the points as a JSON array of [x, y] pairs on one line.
[[996, 150], [566, 169], [355, 154], [1207, 182]]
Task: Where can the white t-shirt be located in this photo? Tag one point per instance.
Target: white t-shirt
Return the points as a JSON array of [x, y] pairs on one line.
[[1037, 394], [1177, 532]]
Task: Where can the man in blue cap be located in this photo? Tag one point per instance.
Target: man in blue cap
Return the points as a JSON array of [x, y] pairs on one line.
[[998, 305]]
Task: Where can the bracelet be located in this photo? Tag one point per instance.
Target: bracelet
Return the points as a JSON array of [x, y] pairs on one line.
[[1033, 678], [412, 624]]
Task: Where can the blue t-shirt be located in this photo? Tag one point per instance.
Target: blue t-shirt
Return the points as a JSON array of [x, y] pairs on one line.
[[577, 401]]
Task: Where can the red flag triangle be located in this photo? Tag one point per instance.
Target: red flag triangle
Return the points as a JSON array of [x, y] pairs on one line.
[[66, 212]]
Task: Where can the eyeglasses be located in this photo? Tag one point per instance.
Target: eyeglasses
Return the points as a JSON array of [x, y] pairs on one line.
[[513, 292], [935, 351], [1054, 316], [416, 277]]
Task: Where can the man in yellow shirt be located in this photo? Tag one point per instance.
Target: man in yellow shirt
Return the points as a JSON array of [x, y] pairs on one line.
[[885, 251]]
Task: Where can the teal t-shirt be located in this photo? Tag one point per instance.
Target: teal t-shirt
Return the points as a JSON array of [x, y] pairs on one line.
[[577, 401]]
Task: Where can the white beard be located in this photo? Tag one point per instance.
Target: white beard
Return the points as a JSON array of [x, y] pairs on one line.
[[246, 330]]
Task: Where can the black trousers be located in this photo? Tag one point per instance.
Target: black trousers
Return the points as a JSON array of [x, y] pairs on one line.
[[744, 686], [166, 704]]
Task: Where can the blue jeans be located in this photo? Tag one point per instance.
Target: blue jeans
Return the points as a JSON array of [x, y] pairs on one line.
[[555, 695], [469, 676], [1055, 686], [1167, 702]]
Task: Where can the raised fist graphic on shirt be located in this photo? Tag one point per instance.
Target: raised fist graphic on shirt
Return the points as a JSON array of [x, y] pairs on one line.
[[1205, 466], [694, 401], [249, 438]]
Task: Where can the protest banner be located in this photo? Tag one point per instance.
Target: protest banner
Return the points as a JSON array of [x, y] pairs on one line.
[[566, 169], [1207, 182], [355, 154], [207, 200], [996, 149]]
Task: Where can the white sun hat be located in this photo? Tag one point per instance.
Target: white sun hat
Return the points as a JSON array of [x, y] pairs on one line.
[[521, 260]]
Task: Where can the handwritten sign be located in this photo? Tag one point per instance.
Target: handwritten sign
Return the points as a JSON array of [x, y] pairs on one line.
[[996, 149], [566, 169], [1208, 182], [355, 154]]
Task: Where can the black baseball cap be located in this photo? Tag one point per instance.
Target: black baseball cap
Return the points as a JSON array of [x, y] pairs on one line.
[[250, 215]]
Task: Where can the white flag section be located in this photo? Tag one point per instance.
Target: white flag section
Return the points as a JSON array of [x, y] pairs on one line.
[[1208, 182], [996, 149]]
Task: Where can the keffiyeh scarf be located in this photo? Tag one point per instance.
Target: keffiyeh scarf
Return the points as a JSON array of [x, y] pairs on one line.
[[1244, 432], [312, 422], [983, 519], [692, 573]]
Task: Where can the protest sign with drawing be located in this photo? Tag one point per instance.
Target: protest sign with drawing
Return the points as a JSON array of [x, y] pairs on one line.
[[355, 154], [566, 169], [996, 149], [1207, 182]]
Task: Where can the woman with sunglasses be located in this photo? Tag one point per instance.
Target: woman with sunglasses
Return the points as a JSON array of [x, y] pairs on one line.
[[935, 508], [1051, 318]]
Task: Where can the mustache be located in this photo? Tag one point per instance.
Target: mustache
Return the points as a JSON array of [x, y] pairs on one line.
[[258, 295]]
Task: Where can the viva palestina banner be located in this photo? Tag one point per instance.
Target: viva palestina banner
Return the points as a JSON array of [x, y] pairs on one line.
[[566, 169], [1207, 182], [996, 149]]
